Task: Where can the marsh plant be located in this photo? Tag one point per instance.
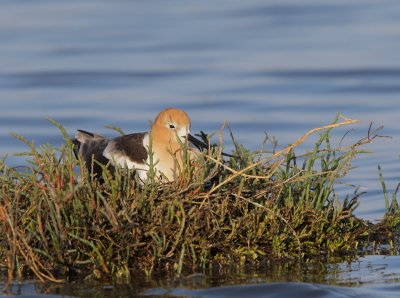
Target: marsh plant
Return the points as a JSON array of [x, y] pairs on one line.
[[57, 221], [391, 219]]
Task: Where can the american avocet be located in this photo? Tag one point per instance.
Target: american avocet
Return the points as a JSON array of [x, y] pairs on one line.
[[170, 130]]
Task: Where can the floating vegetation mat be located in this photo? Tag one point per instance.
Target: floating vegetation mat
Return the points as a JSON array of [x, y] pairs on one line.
[[57, 221]]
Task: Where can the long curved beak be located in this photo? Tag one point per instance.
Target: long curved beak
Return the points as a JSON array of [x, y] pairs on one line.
[[197, 143], [201, 145]]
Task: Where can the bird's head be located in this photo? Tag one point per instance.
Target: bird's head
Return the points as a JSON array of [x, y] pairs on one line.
[[172, 123]]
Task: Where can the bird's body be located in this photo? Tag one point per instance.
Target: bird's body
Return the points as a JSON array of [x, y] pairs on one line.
[[167, 141]]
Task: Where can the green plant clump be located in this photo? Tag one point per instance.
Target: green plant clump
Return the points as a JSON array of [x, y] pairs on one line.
[[57, 221], [390, 223]]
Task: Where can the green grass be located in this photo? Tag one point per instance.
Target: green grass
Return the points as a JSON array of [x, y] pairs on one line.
[[57, 222], [390, 224]]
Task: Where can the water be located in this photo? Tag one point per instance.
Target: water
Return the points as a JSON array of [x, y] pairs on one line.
[[281, 66], [369, 276]]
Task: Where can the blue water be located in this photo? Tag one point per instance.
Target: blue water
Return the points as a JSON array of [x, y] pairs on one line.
[[279, 66]]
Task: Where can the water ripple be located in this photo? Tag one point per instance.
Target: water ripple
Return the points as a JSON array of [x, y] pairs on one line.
[[331, 73], [275, 290], [86, 78]]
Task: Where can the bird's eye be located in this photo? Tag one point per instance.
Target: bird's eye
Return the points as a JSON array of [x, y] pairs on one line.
[[172, 126]]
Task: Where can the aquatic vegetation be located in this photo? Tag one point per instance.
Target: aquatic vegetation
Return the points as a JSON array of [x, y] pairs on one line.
[[56, 221], [387, 231], [392, 215]]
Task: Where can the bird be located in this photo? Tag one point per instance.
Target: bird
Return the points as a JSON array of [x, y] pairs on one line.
[[167, 139]]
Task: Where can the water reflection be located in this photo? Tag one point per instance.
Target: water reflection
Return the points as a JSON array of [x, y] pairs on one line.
[[369, 276]]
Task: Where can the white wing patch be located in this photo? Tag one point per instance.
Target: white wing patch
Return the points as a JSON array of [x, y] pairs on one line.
[[119, 159]]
